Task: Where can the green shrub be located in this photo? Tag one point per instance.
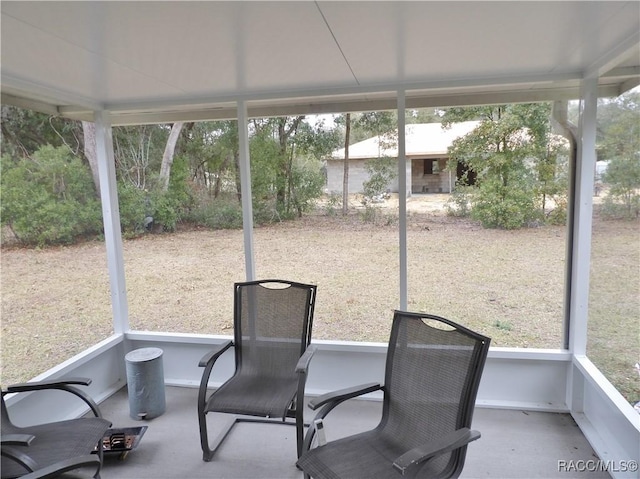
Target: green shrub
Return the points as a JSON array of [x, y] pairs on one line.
[[381, 172], [165, 211], [496, 206], [334, 204], [265, 212], [307, 187], [370, 213], [49, 198], [155, 210], [623, 195], [615, 208], [220, 213], [168, 208], [558, 215], [459, 202], [135, 206]]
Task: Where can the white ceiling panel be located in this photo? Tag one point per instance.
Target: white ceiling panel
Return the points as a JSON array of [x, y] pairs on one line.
[[476, 39], [164, 60]]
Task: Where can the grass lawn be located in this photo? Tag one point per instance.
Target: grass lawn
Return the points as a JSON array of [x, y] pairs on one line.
[[506, 284]]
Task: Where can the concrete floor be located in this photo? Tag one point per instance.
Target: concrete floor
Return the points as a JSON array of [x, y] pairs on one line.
[[514, 444]]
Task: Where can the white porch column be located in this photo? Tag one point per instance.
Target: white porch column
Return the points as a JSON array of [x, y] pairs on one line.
[[583, 211], [581, 252], [111, 221], [402, 200], [245, 185]]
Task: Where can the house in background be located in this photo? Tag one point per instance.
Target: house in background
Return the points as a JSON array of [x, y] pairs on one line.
[[426, 152]]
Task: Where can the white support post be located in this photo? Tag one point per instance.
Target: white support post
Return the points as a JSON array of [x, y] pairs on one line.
[[111, 221], [402, 200], [583, 211], [581, 252], [245, 185]]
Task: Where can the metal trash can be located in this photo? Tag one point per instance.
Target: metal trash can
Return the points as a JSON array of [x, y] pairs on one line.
[[145, 383]]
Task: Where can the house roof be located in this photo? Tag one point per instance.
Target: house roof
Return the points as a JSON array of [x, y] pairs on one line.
[[148, 61], [426, 139]]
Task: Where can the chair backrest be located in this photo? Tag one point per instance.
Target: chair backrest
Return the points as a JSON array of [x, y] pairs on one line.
[[431, 381], [273, 320]]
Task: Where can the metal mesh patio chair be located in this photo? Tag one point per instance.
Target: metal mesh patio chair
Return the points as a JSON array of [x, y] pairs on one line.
[[432, 374], [52, 449], [272, 331]]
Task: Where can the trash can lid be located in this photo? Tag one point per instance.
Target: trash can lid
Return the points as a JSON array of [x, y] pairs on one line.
[[143, 354]]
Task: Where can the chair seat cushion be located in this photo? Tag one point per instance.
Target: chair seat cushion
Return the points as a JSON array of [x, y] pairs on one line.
[[79, 437], [362, 456], [254, 396]]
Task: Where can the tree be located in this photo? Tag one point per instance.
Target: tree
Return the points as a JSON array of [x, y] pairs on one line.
[[25, 131], [161, 168], [284, 164], [620, 145], [383, 125], [381, 171], [345, 175], [167, 156], [513, 156], [361, 126], [423, 115], [48, 197], [623, 177], [138, 153], [287, 128], [90, 153]]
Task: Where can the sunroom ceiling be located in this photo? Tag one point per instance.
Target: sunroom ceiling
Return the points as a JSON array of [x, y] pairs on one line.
[[167, 61]]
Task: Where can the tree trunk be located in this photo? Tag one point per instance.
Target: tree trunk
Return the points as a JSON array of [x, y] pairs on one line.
[[345, 176], [167, 157], [236, 165], [218, 183], [284, 171], [89, 132]]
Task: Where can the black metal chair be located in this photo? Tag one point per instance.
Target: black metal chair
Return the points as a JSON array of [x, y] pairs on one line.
[[272, 331], [432, 375], [52, 449]]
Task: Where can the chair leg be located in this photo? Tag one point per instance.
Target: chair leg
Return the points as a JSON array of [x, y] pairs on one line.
[[207, 453], [209, 450], [308, 439], [299, 405], [101, 456], [299, 431]]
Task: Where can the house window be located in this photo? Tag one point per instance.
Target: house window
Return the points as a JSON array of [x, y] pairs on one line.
[[431, 167]]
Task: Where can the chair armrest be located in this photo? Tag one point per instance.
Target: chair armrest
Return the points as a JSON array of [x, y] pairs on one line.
[[215, 353], [16, 439], [448, 443], [62, 384], [54, 470], [18, 455], [330, 401], [343, 394], [47, 384], [305, 359]]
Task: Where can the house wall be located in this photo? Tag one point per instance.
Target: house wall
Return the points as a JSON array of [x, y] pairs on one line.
[[420, 183], [357, 175]]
